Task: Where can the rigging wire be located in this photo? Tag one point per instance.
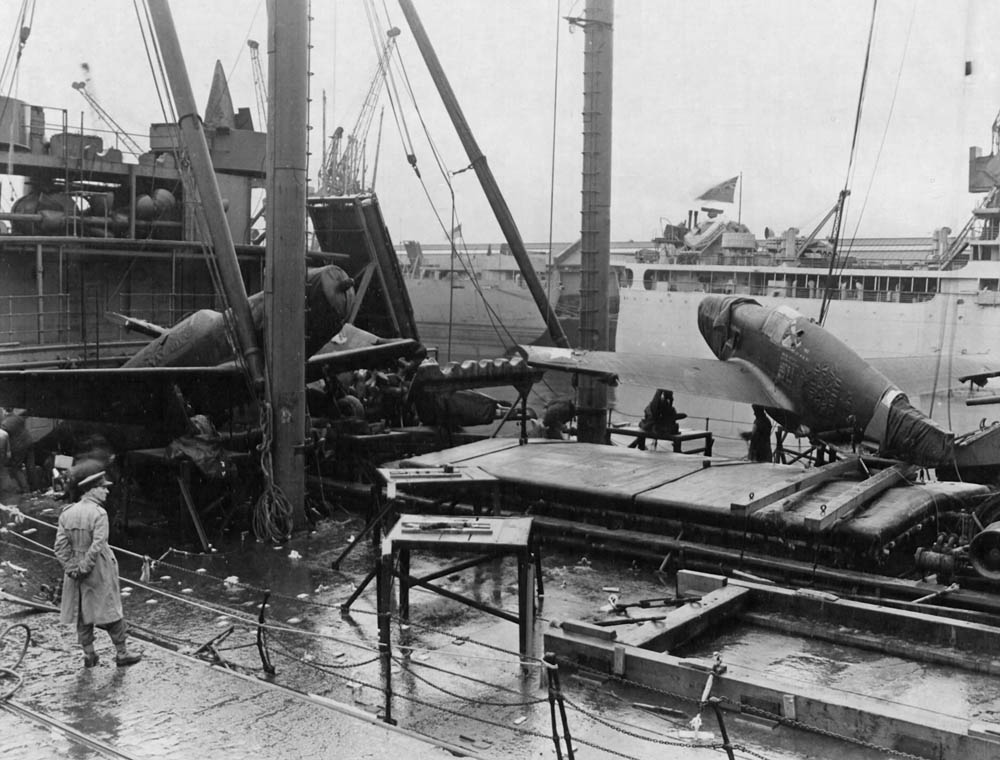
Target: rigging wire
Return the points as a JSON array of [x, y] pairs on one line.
[[849, 175], [861, 99], [446, 174], [885, 132], [888, 121], [272, 516], [19, 36]]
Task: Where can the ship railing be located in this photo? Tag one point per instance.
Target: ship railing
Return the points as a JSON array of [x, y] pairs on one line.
[[67, 319], [790, 291], [841, 294], [970, 233], [919, 259], [57, 121]]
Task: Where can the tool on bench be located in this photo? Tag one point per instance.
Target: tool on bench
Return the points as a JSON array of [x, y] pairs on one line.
[[614, 605], [453, 526]]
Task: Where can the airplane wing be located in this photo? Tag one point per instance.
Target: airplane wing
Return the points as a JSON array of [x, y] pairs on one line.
[[349, 357], [145, 395], [923, 375], [126, 395], [733, 380]]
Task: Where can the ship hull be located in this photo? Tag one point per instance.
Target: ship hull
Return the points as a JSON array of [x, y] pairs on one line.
[[960, 319]]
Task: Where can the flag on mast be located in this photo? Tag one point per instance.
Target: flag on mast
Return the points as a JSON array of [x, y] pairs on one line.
[[723, 192]]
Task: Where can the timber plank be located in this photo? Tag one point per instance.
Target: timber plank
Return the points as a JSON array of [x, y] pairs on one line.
[[847, 503], [754, 501], [975, 638], [685, 623]]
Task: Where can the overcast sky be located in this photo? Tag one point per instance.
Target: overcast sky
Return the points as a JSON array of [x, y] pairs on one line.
[[703, 90]]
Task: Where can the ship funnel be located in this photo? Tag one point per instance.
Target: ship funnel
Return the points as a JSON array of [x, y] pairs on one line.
[[984, 552]]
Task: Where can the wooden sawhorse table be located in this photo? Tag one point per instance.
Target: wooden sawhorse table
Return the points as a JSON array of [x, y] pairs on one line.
[[488, 538]]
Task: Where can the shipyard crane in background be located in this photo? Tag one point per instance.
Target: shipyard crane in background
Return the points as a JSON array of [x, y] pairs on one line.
[[344, 166], [81, 87], [259, 85]]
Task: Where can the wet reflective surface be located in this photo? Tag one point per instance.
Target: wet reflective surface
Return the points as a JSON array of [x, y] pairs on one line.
[[456, 675]]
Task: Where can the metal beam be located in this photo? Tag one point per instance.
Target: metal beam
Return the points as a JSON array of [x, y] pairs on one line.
[[193, 135], [492, 191]]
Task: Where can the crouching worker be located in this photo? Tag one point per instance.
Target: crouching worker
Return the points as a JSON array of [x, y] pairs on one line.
[[90, 593]]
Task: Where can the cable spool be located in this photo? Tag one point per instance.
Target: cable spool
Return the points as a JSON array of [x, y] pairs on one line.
[[984, 552]]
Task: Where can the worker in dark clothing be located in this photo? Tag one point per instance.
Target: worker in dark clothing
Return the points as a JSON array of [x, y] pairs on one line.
[[90, 594], [760, 437], [558, 414], [660, 418]]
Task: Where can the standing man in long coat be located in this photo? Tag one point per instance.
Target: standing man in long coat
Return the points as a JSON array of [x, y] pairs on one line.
[[90, 594]]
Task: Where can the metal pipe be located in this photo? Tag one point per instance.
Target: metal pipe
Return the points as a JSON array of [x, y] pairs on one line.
[[40, 291], [478, 161], [193, 135]]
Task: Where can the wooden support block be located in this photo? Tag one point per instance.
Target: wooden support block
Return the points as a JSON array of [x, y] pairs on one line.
[[683, 624], [581, 628], [618, 661], [692, 582], [847, 503], [754, 501]]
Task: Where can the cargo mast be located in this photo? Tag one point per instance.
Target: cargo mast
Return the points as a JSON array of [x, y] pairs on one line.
[[595, 221], [285, 275]]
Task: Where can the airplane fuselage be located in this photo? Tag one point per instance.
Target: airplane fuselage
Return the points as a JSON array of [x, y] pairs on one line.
[[832, 392], [830, 386]]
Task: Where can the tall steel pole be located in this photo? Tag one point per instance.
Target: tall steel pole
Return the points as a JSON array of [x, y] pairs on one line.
[[285, 274], [595, 229], [485, 175], [193, 137]]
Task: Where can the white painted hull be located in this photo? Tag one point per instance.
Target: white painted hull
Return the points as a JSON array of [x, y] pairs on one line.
[[959, 319]]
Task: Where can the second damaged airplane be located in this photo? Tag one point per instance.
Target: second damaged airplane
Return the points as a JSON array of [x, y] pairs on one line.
[[193, 363], [809, 382]]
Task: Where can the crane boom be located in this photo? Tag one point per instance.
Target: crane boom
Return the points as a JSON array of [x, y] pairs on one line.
[[343, 165], [259, 85], [103, 115]]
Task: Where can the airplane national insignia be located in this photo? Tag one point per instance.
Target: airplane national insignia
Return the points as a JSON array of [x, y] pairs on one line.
[[824, 389]]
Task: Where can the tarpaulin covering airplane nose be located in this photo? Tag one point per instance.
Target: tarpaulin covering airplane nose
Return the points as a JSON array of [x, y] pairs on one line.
[[715, 314]]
